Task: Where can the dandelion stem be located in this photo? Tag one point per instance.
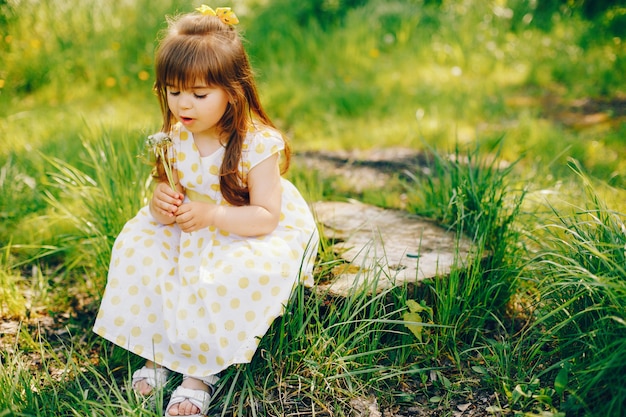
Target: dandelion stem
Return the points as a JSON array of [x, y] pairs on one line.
[[167, 166]]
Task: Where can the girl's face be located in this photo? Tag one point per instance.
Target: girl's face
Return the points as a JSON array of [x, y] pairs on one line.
[[198, 108]]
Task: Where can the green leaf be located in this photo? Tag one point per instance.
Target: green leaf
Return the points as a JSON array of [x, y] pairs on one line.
[[414, 306], [560, 382], [479, 369], [421, 307], [494, 409], [412, 321], [446, 382]]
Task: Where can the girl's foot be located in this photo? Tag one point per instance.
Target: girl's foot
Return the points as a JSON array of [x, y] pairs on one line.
[[192, 398], [151, 376]]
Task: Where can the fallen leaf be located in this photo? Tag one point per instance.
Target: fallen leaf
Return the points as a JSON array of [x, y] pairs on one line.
[[346, 269], [463, 407]]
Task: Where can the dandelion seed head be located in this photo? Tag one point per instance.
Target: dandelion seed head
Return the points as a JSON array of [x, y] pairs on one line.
[[160, 145], [158, 138]]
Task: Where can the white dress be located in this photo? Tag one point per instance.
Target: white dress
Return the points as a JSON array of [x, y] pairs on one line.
[[199, 302]]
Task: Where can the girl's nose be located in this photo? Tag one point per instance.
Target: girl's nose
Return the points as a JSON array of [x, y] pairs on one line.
[[185, 100]]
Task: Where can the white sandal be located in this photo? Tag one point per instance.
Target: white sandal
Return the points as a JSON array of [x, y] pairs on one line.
[[156, 377], [197, 397]]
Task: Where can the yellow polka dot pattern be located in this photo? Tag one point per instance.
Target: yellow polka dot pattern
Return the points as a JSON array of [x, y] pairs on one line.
[[198, 303]]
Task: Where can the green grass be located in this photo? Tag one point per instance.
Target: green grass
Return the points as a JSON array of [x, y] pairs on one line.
[[582, 270], [535, 317]]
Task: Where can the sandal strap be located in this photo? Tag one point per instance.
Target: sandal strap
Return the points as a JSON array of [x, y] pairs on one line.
[[155, 377], [197, 397]]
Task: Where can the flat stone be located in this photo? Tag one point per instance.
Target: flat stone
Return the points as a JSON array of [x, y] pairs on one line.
[[385, 248]]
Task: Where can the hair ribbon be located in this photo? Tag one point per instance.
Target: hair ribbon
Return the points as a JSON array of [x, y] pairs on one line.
[[224, 13]]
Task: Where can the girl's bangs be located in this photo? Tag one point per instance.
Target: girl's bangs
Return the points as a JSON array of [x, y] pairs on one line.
[[186, 70]]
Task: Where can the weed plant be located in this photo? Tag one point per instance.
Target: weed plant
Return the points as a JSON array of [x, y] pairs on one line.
[[471, 193], [534, 318], [580, 270]]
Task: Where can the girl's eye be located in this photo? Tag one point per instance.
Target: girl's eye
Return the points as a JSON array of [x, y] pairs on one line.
[[200, 96], [173, 93]]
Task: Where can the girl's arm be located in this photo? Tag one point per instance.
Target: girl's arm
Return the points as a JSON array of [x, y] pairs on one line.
[[258, 218]]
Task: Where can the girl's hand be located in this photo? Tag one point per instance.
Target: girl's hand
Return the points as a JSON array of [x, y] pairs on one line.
[[195, 215], [165, 202], [258, 218]]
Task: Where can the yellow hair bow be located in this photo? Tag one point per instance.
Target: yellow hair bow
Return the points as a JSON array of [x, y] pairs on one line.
[[224, 13]]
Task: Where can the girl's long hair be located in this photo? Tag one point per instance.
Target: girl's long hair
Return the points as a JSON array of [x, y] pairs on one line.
[[202, 48]]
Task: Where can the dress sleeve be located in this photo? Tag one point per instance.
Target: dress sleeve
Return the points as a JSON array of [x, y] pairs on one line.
[[259, 146]]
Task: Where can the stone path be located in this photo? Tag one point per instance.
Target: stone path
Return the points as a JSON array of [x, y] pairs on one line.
[[391, 245], [365, 169]]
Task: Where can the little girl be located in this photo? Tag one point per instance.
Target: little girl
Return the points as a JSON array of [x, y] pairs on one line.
[[198, 276]]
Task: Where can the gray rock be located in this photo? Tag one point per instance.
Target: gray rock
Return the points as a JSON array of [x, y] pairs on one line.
[[385, 248]]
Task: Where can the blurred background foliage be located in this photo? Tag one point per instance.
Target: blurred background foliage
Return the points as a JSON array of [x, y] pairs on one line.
[[547, 75]]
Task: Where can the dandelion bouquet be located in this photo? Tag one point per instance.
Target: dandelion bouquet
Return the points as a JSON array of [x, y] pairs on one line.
[[160, 145]]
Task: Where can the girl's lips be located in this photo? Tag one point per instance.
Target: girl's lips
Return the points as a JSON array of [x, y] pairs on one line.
[[186, 120]]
